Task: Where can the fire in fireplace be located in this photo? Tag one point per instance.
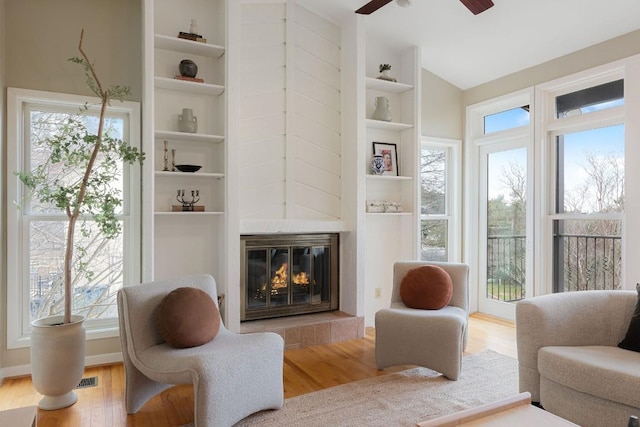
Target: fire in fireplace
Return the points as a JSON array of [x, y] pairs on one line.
[[284, 275]]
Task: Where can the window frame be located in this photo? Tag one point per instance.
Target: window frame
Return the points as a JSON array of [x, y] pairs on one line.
[[453, 195], [18, 324], [546, 131], [476, 139]]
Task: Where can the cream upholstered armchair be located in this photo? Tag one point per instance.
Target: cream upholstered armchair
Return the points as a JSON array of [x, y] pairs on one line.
[[434, 339], [233, 376]]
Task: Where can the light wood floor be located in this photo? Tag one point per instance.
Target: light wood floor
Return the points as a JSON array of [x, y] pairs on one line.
[[305, 370]]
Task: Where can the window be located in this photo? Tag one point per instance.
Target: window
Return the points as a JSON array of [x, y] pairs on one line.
[[508, 119], [439, 189], [38, 230], [585, 159]]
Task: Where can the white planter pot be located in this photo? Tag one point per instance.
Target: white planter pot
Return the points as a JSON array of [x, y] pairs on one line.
[[57, 360]]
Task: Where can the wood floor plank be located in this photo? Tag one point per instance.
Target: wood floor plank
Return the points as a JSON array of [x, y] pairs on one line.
[[305, 370]]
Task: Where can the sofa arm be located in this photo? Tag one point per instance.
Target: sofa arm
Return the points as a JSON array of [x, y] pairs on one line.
[[568, 319]]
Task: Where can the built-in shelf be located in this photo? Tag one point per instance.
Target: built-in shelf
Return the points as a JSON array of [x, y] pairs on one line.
[[379, 124], [185, 136], [389, 177], [189, 174], [187, 86], [167, 213], [187, 46], [389, 214], [387, 86]]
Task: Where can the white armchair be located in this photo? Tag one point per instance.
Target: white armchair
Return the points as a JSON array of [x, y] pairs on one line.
[[233, 376], [434, 339]]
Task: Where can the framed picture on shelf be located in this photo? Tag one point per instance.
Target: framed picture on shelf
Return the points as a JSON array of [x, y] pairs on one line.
[[389, 153]]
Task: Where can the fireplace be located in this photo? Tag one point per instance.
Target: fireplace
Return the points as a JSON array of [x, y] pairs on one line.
[[285, 275]]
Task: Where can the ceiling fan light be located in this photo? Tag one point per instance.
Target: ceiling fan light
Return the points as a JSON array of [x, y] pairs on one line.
[[404, 3]]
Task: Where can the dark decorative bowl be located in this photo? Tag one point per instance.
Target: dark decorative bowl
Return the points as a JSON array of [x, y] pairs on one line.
[[188, 168]]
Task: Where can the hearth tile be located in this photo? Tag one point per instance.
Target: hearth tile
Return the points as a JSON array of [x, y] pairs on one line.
[[292, 335], [308, 335], [323, 333], [360, 327], [344, 330]]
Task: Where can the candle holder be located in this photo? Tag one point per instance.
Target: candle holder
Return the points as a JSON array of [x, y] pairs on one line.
[[188, 205], [166, 157]]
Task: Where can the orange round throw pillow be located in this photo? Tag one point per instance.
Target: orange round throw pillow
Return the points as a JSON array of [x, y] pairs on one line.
[[188, 317], [428, 287]]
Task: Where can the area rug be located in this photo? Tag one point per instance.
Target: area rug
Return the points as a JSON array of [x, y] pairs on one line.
[[398, 399]]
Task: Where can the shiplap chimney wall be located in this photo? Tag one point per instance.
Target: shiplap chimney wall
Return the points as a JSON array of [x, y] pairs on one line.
[[290, 142]]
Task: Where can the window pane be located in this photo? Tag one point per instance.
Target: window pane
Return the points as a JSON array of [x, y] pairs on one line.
[[47, 124], [591, 99], [433, 183], [590, 169], [506, 224], [95, 288], [589, 255], [508, 119], [434, 240]]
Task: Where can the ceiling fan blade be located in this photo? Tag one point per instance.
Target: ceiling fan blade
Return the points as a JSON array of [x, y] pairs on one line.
[[477, 6], [372, 6]]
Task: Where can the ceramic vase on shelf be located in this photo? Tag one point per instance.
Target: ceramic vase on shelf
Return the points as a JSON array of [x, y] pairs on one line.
[[382, 111], [188, 68], [187, 122], [377, 164]]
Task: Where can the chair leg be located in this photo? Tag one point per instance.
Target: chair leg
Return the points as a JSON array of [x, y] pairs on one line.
[[139, 388]]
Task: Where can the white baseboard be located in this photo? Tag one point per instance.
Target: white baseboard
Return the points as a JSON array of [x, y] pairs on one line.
[[22, 370]]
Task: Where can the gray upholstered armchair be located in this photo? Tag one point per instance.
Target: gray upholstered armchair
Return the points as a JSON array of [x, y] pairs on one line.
[[233, 376], [434, 339], [569, 359]]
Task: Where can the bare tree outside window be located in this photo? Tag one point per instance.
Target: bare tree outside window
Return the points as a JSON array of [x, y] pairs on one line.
[[433, 192], [94, 289], [589, 250]]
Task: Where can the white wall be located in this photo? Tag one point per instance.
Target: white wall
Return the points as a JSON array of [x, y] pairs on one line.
[[442, 110]]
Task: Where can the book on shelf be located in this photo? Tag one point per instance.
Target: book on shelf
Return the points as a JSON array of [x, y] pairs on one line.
[[189, 79], [191, 36]]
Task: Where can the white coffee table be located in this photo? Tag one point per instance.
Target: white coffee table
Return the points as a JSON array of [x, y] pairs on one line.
[[19, 417], [509, 412]]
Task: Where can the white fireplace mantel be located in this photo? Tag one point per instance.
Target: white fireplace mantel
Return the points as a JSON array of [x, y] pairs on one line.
[[290, 226]]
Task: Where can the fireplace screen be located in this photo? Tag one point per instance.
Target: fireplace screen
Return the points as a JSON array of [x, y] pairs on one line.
[[287, 275]]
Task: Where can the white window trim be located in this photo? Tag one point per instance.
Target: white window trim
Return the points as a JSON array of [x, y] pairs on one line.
[[454, 194], [18, 329]]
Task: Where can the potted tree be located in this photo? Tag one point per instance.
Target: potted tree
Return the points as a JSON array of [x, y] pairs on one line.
[[58, 342]]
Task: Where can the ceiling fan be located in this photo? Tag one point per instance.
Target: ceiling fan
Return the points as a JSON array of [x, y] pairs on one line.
[[475, 6]]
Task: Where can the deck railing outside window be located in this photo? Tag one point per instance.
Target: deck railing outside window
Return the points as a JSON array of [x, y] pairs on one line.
[[589, 262]]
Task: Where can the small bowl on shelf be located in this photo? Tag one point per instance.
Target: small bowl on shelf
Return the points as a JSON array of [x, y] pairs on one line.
[[188, 168]]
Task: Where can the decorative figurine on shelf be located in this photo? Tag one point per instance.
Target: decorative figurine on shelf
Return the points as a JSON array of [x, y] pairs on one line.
[[385, 73], [166, 157], [382, 111], [193, 33], [187, 122], [188, 206], [188, 71], [188, 68], [377, 164], [173, 160]]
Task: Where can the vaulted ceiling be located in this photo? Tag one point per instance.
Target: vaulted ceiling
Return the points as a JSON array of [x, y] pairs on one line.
[[468, 50]]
